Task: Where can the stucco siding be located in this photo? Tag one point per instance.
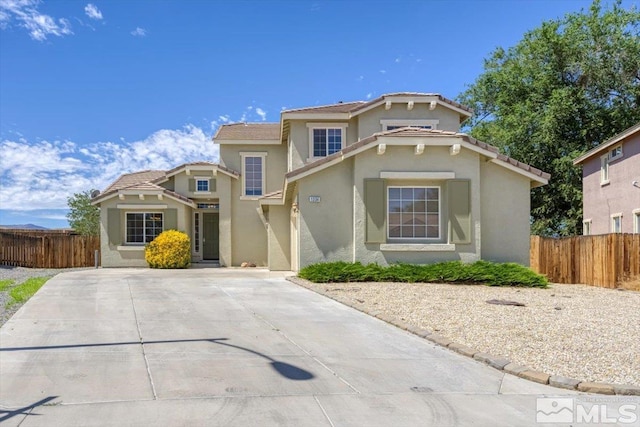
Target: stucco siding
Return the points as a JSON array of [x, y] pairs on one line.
[[326, 232], [369, 121], [506, 201], [123, 255], [279, 240], [434, 159], [248, 234], [619, 195]]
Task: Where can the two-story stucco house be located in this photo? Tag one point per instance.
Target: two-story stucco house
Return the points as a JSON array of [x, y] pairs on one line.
[[386, 180], [611, 184]]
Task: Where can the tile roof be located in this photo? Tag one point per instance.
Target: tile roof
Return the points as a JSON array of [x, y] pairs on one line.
[[147, 180], [129, 179], [419, 133], [354, 106], [248, 131]]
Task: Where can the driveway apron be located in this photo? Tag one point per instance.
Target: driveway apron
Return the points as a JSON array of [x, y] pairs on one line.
[[233, 347]]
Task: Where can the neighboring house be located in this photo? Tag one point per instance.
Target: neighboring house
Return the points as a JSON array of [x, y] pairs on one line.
[[387, 180], [611, 185]]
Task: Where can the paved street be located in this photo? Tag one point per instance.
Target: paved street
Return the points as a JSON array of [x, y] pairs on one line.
[[233, 347]]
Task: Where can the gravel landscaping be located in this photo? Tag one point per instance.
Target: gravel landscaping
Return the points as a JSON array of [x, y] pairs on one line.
[[576, 331], [20, 274]]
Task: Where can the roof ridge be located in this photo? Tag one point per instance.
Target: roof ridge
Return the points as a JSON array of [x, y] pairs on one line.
[[325, 105]]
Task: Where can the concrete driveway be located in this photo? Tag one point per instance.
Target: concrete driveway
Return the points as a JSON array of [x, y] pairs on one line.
[[233, 347]]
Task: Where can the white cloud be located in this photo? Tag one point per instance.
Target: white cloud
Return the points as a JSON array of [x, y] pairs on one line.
[[92, 11], [383, 71], [42, 174], [369, 95], [26, 15], [139, 32], [397, 60], [261, 113], [360, 78]]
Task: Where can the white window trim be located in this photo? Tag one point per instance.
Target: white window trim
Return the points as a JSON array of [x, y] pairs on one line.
[[613, 218], [417, 247], [604, 160], [312, 126], [126, 236], [636, 220], [586, 224], [202, 178], [402, 240], [611, 158], [263, 155], [384, 123]]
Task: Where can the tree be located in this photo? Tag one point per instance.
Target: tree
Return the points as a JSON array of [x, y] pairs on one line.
[[83, 216], [567, 86]]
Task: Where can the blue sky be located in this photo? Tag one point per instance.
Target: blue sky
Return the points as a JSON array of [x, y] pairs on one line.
[[90, 90]]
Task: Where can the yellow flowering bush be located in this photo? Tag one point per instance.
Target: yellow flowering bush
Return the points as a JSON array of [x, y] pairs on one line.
[[171, 249]]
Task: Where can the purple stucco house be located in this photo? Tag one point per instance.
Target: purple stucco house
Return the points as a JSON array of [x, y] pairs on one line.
[[611, 184]]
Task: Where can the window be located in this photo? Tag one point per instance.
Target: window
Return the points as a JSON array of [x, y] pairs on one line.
[[143, 227], [616, 223], [604, 169], [196, 232], [413, 212], [253, 172], [326, 141], [636, 221], [615, 153], [397, 124], [202, 184], [586, 227]]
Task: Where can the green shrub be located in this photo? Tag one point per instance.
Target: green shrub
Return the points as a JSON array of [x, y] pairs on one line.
[[171, 249], [489, 273]]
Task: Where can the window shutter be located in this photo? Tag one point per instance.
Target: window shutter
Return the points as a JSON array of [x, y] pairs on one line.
[[192, 184], [376, 213], [114, 230], [170, 219], [459, 192], [212, 185]]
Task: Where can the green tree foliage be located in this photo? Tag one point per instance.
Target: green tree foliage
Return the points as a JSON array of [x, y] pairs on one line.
[[567, 86], [83, 217]]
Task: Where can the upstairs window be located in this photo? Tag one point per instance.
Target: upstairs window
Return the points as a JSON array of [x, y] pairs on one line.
[[326, 139], [202, 185], [615, 153], [253, 174], [392, 124], [604, 169]]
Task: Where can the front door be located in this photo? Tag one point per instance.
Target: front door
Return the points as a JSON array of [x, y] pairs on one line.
[[210, 236]]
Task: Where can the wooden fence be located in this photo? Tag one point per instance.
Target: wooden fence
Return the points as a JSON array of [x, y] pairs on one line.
[[47, 249], [604, 260]]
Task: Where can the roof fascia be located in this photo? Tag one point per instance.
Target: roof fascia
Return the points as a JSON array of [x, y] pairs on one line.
[[247, 141], [613, 141], [316, 116]]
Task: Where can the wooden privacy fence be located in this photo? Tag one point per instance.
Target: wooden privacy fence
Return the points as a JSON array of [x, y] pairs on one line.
[[604, 260], [46, 249]]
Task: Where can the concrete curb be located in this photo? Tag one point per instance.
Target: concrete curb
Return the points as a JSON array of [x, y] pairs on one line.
[[496, 362]]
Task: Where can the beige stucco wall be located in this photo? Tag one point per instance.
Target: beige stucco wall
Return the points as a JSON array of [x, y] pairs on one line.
[[110, 255], [326, 231], [248, 234], [369, 121], [279, 239], [299, 138], [506, 202]]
